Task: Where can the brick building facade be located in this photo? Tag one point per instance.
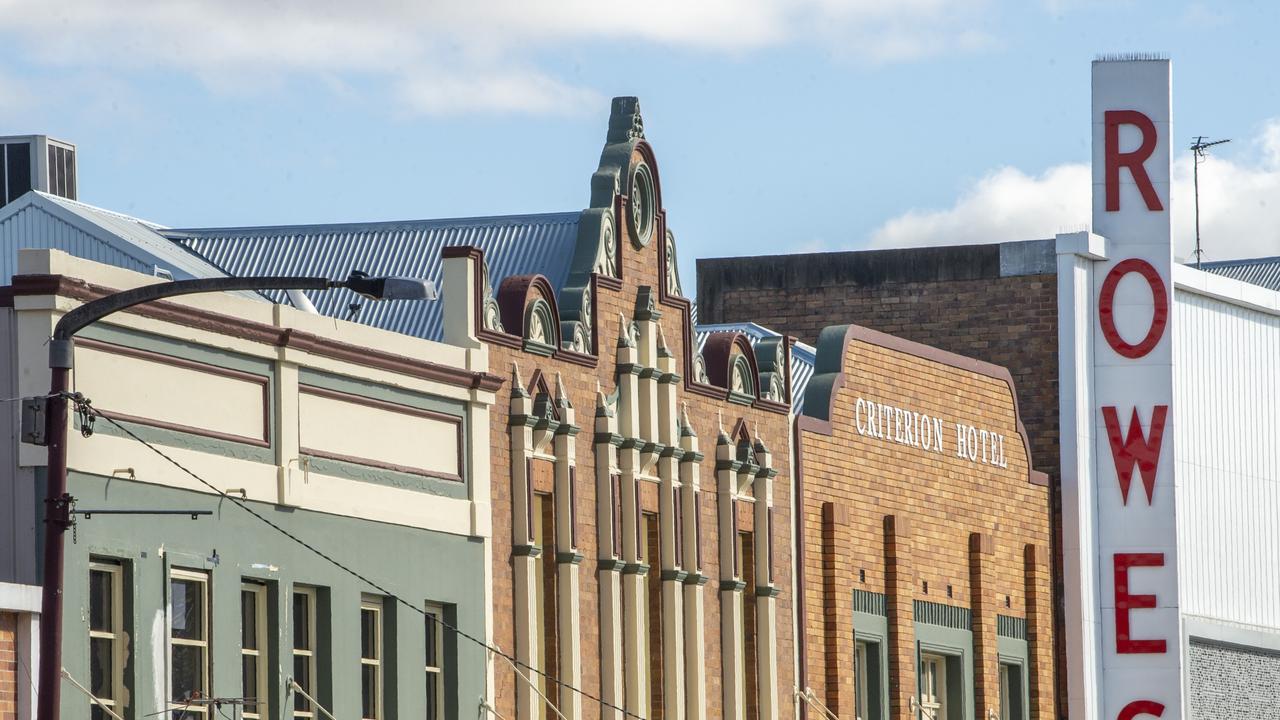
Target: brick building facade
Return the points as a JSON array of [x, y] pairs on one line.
[[641, 488], [996, 303], [924, 537]]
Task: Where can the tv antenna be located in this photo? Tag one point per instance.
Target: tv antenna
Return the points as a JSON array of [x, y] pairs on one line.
[[1198, 147]]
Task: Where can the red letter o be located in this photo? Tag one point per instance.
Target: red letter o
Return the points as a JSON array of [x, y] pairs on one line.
[[1159, 298], [1141, 707]]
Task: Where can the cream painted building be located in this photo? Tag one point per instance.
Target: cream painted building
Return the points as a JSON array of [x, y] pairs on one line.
[[368, 445]]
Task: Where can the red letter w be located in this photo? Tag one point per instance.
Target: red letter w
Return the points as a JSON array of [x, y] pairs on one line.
[[1135, 449]]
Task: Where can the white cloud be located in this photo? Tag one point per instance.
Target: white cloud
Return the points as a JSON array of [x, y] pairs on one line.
[[1239, 206], [444, 56]]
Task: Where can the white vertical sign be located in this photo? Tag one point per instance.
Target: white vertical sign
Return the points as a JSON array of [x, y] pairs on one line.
[[1139, 675]]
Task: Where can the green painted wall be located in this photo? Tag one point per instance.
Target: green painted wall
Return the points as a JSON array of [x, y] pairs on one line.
[[417, 565]]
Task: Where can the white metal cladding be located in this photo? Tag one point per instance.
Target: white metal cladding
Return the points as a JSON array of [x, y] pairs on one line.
[[40, 220], [1227, 450], [513, 245], [802, 355]]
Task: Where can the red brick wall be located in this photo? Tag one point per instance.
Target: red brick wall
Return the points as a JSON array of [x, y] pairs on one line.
[[639, 268], [8, 666]]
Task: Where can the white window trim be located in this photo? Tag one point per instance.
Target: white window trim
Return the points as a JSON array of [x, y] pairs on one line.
[[437, 611], [934, 707], [373, 604], [206, 611], [117, 633], [260, 621], [310, 594]]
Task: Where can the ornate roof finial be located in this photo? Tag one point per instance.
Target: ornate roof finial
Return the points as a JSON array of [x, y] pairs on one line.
[[562, 398], [625, 122], [517, 385]]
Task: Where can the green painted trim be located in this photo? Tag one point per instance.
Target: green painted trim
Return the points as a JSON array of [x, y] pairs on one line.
[[951, 616], [1016, 653], [871, 603], [526, 551], [117, 335], [696, 579], [389, 478], [610, 564], [957, 646], [569, 558], [1011, 627], [741, 398], [186, 441], [378, 391], [732, 586], [635, 569], [673, 575], [533, 347], [873, 629], [768, 591]]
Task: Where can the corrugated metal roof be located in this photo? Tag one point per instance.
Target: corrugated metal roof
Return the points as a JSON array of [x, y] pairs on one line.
[[802, 355], [1257, 271], [513, 245], [41, 220]]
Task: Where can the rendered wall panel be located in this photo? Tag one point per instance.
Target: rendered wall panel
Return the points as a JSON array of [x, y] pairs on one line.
[[1228, 459]]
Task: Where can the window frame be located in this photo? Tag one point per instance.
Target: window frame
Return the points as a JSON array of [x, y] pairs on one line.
[[373, 604], [435, 673], [206, 644], [939, 697], [311, 651], [262, 705], [116, 636]]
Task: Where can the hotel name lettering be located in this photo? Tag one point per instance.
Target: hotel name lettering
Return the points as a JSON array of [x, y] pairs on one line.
[[907, 427]]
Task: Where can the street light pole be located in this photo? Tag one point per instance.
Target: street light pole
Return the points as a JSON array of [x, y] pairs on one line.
[[61, 360]]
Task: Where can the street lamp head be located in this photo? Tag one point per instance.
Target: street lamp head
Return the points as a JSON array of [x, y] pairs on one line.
[[390, 288]]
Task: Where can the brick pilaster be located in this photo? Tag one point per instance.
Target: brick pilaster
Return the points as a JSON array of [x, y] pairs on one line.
[[837, 606], [983, 604], [1040, 631], [900, 609]]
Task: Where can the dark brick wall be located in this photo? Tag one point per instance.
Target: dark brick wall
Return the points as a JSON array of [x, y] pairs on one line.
[[996, 303]]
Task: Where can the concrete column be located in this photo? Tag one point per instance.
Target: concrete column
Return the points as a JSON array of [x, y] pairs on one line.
[[983, 604], [672, 579], [732, 664], [900, 607], [568, 559], [609, 563], [695, 654]]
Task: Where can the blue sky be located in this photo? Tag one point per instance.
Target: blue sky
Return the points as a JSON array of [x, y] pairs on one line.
[[802, 126]]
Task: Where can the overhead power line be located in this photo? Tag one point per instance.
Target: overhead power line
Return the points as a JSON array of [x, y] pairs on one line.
[[84, 406]]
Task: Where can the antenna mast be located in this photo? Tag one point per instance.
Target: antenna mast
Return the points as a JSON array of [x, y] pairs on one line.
[[1198, 147]]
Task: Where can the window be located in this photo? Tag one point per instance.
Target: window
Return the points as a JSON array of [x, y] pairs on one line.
[[253, 645], [861, 687], [189, 640], [1011, 706], [435, 662], [106, 636], [304, 649], [546, 654], [747, 572], [650, 537], [933, 687], [371, 658]]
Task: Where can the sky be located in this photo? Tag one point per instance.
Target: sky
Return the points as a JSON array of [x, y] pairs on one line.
[[800, 126]]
